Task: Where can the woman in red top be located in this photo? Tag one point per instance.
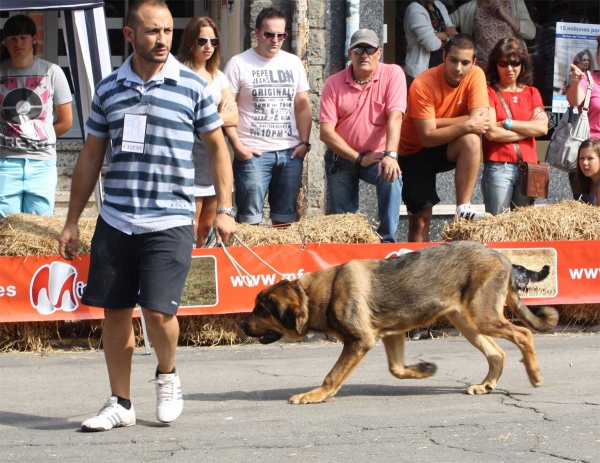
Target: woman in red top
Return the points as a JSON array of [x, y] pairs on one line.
[[509, 73]]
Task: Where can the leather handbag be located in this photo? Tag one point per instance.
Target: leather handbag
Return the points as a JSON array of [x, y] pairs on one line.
[[535, 177], [563, 148]]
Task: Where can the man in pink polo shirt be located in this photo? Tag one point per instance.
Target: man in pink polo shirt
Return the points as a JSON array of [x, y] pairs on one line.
[[361, 116]]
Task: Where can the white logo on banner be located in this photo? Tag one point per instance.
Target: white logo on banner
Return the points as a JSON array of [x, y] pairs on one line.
[[54, 287]]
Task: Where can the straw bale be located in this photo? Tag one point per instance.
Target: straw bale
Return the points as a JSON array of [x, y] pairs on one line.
[[563, 221], [338, 228], [35, 235]]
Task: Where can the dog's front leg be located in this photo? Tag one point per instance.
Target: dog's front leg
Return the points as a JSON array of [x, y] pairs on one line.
[[352, 353]]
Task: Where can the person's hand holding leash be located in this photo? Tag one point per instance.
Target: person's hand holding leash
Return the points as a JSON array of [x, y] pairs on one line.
[[225, 227], [69, 241]]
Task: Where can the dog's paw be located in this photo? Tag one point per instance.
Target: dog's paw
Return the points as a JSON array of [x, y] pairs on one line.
[[480, 389], [312, 397], [427, 368]]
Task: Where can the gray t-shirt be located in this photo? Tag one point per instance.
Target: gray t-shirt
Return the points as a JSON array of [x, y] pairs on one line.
[[199, 153], [27, 100]]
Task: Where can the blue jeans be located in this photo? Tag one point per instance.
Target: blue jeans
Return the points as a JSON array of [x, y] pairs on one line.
[[272, 172], [343, 193], [501, 187], [27, 185]]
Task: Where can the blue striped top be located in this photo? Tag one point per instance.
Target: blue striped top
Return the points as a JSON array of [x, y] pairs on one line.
[[153, 190]]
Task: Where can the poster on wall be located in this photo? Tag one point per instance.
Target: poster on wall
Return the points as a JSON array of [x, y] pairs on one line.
[[576, 44]]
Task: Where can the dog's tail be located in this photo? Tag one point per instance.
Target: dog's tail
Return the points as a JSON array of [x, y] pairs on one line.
[[542, 318], [538, 276]]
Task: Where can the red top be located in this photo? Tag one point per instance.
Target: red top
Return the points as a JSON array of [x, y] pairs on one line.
[[522, 110]]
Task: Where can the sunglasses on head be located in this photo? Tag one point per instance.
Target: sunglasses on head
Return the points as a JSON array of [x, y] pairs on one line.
[[361, 50], [514, 63], [270, 35], [203, 41]]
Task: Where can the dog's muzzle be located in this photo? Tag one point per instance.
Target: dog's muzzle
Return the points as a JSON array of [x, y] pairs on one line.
[[267, 337]]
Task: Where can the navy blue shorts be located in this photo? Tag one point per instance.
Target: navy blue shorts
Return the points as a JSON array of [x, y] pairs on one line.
[[419, 171], [148, 269]]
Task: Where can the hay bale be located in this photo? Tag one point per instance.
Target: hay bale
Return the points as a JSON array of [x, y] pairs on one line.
[[36, 235], [563, 221], [339, 228]]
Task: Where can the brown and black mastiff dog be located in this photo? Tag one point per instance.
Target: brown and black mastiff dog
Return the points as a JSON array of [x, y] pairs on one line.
[[363, 300]]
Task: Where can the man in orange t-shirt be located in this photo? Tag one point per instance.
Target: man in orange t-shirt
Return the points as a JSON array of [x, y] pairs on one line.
[[447, 113]]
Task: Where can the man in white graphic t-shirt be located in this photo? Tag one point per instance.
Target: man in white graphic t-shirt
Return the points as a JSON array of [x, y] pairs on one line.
[[272, 136]]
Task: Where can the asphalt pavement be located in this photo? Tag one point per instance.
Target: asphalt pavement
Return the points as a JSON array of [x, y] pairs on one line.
[[236, 407]]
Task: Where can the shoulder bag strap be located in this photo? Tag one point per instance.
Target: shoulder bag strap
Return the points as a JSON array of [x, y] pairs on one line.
[[509, 114], [588, 94]]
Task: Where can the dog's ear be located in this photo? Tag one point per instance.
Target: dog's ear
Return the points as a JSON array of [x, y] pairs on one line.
[[287, 306]]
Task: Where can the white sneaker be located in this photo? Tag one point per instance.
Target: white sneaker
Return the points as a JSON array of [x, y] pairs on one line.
[[465, 211], [169, 400], [111, 415]]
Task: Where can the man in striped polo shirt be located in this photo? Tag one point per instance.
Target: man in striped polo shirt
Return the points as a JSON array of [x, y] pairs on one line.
[[149, 110]]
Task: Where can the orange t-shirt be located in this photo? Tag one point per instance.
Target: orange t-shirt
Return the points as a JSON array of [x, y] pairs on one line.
[[430, 97]]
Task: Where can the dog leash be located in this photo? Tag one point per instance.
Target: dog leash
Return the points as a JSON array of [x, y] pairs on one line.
[[238, 267]]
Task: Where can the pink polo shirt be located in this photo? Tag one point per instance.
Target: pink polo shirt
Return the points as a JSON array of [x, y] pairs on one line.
[[360, 115]]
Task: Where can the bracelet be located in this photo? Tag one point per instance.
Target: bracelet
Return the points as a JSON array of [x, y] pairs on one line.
[[357, 164], [507, 123]]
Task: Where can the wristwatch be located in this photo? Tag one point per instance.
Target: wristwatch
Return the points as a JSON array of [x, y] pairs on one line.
[[392, 154], [308, 145], [230, 211], [507, 123]]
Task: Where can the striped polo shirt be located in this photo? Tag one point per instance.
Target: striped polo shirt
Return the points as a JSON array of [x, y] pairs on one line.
[[153, 189]]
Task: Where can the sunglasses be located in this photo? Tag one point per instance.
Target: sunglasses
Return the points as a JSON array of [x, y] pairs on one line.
[[203, 41], [361, 50], [513, 63], [271, 35]]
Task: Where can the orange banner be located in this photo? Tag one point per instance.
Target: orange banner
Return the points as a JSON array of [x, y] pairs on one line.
[[50, 288]]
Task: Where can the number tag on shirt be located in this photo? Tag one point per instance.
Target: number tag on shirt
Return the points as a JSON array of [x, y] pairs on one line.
[[134, 133]]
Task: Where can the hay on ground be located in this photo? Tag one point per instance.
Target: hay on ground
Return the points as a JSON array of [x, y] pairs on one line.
[[340, 228], [35, 235], [564, 221]]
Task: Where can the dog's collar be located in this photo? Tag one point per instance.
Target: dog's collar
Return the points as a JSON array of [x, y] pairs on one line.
[[301, 288]]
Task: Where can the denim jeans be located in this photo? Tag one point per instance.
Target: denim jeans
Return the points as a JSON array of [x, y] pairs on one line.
[[501, 187], [272, 172], [343, 193], [27, 185]]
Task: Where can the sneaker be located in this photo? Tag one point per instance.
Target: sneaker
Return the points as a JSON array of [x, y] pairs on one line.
[[466, 211], [111, 415], [169, 400]]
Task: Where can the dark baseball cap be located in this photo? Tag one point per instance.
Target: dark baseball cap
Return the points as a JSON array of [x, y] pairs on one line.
[[364, 36]]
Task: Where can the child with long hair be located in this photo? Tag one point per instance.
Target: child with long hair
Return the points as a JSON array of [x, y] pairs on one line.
[[587, 175]]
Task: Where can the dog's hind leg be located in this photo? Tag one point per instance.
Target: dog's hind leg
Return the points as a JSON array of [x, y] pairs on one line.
[[394, 347], [494, 355], [352, 353], [523, 339]]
